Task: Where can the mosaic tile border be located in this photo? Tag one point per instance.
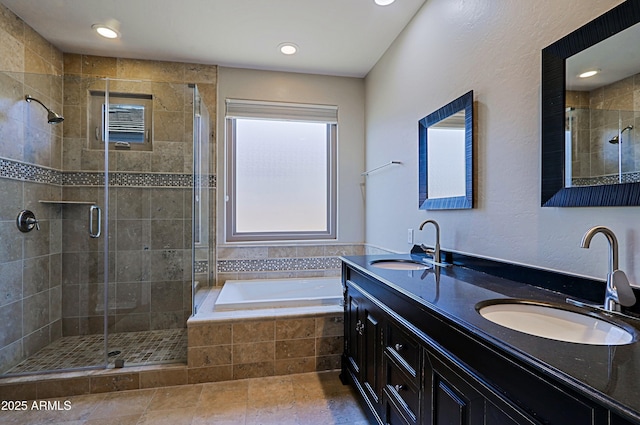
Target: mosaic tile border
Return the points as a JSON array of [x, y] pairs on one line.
[[201, 266], [278, 264], [610, 179], [16, 170]]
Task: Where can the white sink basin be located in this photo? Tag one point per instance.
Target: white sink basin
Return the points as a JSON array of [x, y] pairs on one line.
[[556, 322], [399, 264]]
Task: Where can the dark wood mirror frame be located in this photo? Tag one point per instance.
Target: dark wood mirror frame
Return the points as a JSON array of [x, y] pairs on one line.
[[553, 192], [464, 102]]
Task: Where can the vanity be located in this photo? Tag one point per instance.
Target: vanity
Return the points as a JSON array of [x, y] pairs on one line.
[[418, 351]]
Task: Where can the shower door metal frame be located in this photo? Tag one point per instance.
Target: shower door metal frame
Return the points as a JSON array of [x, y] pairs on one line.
[[105, 229]]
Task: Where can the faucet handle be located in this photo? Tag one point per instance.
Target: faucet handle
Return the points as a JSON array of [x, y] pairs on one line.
[[626, 297]]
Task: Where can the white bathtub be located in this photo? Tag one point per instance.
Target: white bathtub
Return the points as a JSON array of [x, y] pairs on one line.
[[275, 293]]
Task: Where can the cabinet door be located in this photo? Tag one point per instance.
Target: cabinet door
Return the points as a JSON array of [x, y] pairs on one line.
[[353, 326], [453, 401], [364, 332], [372, 350], [452, 398]]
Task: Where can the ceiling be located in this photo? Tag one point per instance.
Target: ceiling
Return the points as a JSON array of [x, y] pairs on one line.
[[616, 58], [335, 37]]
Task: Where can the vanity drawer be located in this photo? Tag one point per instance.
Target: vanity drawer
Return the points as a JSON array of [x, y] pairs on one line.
[[402, 389], [404, 349]]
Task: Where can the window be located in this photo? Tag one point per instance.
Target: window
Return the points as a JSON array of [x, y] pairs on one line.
[[281, 171], [129, 120]]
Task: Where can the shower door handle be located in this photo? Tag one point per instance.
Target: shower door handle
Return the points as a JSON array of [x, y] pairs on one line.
[[95, 233]]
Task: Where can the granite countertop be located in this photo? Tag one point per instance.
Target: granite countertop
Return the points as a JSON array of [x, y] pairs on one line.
[[608, 374]]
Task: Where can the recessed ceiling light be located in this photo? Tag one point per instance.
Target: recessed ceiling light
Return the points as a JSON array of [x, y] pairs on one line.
[[105, 31], [383, 2], [288, 48], [588, 74]]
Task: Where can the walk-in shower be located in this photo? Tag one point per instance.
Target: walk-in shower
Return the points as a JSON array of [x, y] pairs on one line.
[[71, 301], [602, 147]]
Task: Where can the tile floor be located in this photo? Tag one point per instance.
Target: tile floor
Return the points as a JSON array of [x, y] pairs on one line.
[[135, 348], [310, 398]]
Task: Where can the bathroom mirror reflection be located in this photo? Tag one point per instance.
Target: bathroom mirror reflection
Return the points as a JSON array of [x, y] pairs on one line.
[[591, 121], [446, 156], [602, 116]]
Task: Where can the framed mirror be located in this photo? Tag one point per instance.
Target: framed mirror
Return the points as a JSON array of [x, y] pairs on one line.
[[590, 119], [445, 140]]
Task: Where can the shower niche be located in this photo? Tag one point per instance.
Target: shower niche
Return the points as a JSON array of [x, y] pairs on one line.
[[128, 122]]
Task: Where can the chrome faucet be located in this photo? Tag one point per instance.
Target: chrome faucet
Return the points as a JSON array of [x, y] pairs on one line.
[[435, 252], [618, 292]]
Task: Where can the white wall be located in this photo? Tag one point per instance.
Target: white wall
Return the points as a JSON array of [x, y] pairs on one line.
[[494, 48], [346, 93]]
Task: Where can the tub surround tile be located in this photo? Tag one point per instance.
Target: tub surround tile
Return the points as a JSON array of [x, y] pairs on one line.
[[295, 328], [298, 365], [289, 349], [216, 355], [209, 334], [254, 352], [329, 326], [332, 362], [253, 370], [267, 342], [253, 331], [329, 345]]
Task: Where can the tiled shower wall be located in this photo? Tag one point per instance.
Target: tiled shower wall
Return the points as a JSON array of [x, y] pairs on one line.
[[150, 199], [30, 152]]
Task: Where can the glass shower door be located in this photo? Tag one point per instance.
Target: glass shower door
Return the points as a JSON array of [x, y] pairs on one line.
[[149, 193]]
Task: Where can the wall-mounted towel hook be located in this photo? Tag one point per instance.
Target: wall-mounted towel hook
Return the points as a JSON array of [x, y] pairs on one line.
[[366, 173]]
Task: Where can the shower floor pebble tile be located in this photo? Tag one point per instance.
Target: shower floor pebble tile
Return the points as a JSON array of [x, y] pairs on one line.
[[303, 399], [136, 348]]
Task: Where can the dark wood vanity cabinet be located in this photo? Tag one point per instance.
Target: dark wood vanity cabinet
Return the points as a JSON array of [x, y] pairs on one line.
[[412, 367]]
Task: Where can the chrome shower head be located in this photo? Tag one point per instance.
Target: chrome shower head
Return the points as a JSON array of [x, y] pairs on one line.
[[616, 139], [52, 117]]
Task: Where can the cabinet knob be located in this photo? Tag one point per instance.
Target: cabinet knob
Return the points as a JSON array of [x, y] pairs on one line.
[[360, 327], [399, 387], [399, 347]]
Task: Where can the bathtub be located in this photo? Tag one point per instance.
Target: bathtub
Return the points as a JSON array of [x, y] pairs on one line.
[[269, 313], [277, 293]]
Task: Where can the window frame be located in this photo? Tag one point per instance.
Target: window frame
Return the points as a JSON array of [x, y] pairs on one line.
[[231, 233]]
